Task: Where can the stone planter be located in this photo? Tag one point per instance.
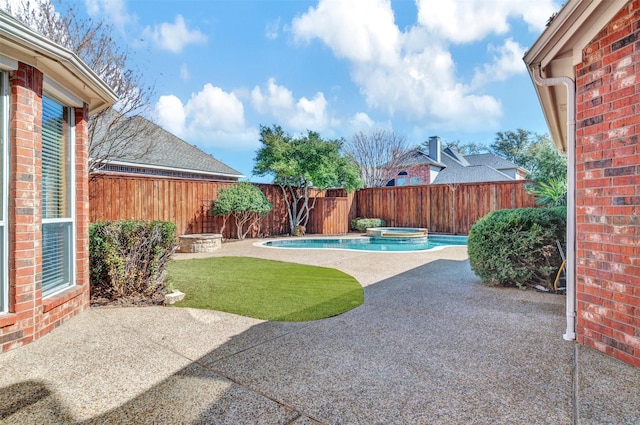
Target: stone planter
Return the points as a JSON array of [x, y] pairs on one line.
[[204, 242]]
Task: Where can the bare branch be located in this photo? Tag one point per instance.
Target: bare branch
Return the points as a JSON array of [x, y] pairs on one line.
[[113, 134], [377, 153]]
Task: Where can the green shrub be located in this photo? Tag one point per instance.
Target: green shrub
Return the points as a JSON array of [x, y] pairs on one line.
[[362, 224], [128, 260], [244, 202], [549, 193], [518, 247]]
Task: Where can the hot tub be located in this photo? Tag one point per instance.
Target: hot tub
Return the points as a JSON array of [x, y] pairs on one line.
[[397, 232]]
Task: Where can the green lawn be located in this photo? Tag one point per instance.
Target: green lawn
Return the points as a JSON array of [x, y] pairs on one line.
[[264, 289]]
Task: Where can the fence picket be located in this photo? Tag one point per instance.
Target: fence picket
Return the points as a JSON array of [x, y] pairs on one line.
[[439, 208]]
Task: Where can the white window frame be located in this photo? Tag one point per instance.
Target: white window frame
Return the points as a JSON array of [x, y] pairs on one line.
[[4, 203], [72, 201]]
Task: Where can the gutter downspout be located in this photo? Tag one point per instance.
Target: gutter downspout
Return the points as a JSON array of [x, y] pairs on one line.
[[570, 333]]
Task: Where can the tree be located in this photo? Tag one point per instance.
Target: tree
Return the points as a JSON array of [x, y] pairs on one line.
[[537, 154], [112, 132], [514, 146], [534, 152], [245, 203], [302, 166], [377, 154], [544, 163]]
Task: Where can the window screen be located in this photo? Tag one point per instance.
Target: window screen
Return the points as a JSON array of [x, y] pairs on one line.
[[57, 220]]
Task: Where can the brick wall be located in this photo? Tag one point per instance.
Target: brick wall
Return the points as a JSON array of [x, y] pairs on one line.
[[608, 189], [422, 171], [30, 316]]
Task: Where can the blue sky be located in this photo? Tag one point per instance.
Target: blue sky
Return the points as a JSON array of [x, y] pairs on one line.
[[221, 68]]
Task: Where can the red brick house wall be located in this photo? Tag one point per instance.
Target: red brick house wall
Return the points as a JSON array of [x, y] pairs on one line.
[[422, 171], [30, 316], [608, 189]]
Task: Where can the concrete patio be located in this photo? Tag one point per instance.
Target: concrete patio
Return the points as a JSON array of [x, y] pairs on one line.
[[431, 345]]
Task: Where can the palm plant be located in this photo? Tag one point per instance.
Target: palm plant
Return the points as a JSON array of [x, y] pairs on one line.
[[550, 193]]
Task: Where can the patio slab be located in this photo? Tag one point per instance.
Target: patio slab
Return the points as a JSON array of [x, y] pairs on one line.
[[431, 345]]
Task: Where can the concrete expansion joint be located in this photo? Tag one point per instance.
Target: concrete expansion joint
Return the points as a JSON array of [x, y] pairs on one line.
[[298, 413]]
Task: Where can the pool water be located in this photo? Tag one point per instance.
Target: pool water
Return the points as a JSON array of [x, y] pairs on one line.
[[370, 244]]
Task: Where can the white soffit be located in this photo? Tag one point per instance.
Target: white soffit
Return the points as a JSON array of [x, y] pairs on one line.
[[21, 44], [61, 93], [8, 64], [559, 49]]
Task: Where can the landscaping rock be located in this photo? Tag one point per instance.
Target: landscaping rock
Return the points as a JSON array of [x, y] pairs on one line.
[[173, 297]]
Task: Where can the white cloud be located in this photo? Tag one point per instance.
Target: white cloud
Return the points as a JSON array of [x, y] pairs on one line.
[[184, 72], [211, 118], [310, 114], [115, 10], [279, 102], [507, 61], [93, 8], [174, 37], [170, 115], [410, 73], [361, 121], [356, 30], [473, 20], [213, 108], [272, 29]]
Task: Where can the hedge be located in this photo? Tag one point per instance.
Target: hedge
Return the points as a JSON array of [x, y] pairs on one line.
[[362, 224], [518, 247], [128, 260]]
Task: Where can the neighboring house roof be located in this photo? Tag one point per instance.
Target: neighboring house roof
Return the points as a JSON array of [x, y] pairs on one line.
[[65, 75], [471, 174], [458, 168], [559, 49], [165, 151], [418, 157], [493, 161]]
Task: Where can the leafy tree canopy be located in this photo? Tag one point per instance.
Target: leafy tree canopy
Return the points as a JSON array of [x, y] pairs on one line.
[[307, 161], [300, 164], [245, 203], [239, 198], [514, 145], [544, 163], [537, 154]]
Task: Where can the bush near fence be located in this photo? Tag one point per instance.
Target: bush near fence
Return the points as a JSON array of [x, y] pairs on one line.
[[128, 260], [450, 209]]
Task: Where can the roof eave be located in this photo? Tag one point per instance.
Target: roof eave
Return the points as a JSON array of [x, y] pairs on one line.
[[559, 49], [58, 63], [182, 170]]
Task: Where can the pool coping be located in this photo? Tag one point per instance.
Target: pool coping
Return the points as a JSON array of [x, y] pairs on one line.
[[263, 244]]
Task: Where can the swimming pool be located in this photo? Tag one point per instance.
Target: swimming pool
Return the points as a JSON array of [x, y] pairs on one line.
[[369, 244]]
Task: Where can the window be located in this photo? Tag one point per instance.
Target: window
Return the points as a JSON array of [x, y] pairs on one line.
[[57, 196], [401, 181], [4, 238]]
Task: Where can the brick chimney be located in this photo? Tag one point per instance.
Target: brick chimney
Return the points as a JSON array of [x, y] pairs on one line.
[[434, 148]]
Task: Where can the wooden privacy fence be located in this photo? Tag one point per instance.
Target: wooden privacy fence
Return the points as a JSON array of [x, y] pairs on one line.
[[449, 209], [440, 208], [181, 201]]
